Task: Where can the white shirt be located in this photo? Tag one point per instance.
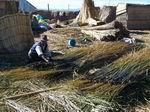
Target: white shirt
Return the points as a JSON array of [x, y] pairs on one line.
[[39, 50]]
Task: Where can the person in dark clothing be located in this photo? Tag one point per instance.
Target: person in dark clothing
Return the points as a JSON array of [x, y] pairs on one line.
[[39, 51]]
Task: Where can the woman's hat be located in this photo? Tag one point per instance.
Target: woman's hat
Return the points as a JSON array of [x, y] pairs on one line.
[[44, 38]]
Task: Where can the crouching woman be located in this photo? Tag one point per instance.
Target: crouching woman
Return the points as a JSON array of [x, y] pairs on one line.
[[39, 51]]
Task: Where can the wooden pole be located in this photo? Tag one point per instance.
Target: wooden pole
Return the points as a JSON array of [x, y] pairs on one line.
[[68, 7], [61, 100], [48, 7], [30, 93]]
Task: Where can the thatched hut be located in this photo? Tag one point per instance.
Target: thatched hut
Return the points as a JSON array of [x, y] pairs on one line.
[[138, 16], [8, 7], [15, 33], [14, 6], [134, 16]]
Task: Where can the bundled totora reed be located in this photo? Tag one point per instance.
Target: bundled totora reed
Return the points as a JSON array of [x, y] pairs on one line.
[[130, 68]]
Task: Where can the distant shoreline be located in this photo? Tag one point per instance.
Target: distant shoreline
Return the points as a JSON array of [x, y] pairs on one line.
[[73, 10]]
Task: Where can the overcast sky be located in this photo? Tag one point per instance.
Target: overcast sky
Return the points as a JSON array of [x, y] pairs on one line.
[[75, 4]]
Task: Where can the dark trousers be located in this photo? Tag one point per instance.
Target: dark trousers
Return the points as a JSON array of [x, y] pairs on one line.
[[33, 57]]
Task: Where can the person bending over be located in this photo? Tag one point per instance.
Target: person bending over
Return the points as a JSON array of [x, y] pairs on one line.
[[39, 51]]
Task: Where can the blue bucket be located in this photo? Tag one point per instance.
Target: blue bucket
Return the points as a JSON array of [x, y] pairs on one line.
[[72, 42]]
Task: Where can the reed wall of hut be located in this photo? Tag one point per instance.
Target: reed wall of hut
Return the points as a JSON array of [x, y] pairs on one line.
[[8, 7], [138, 17], [15, 33]]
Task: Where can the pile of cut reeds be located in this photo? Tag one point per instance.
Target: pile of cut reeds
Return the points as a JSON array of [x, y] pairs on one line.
[[53, 100], [99, 54], [129, 68], [126, 80]]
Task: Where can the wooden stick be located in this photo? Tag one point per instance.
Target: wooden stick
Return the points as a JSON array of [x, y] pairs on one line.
[[61, 100], [30, 93]]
